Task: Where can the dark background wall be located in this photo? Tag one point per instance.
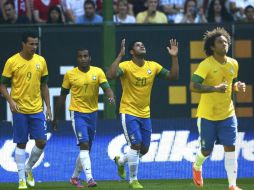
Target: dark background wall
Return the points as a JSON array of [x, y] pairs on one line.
[[59, 44]]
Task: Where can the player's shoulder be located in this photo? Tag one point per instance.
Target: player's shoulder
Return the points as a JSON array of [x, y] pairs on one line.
[[39, 57], [13, 57], [96, 69], [232, 60], [125, 63]]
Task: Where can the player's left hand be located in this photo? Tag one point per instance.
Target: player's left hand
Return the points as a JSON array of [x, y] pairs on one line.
[[241, 86], [173, 47], [112, 101], [48, 114]]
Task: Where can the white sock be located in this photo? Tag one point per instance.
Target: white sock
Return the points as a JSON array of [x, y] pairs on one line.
[[231, 167], [34, 157], [200, 159], [133, 160], [86, 163], [20, 158], [123, 159], [78, 168]]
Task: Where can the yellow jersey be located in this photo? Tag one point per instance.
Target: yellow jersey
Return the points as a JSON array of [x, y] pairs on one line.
[[25, 78], [217, 106], [84, 88], [137, 84]]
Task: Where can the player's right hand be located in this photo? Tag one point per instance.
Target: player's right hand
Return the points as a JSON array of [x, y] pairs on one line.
[[221, 87], [122, 51], [54, 124], [14, 107]]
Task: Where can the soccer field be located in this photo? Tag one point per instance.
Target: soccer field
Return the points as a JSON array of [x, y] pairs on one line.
[[210, 184]]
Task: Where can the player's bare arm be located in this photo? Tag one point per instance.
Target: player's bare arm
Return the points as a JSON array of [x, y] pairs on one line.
[[110, 95], [13, 105], [112, 71], [200, 88], [173, 52], [59, 104], [45, 96]]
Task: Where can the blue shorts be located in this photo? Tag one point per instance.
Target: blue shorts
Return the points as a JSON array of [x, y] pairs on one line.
[[137, 130], [220, 132], [84, 126], [32, 125]]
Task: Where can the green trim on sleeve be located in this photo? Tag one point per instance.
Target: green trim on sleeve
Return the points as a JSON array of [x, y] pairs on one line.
[[5, 80], [197, 79], [119, 72], [235, 80], [44, 79], [163, 73], [105, 85], [64, 91]]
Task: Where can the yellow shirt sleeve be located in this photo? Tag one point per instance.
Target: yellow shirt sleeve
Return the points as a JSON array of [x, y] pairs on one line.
[[202, 70], [7, 72], [45, 68], [158, 68], [66, 82], [102, 77]]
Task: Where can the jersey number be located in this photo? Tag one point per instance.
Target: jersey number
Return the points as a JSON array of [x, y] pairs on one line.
[[85, 87], [29, 76], [140, 81]]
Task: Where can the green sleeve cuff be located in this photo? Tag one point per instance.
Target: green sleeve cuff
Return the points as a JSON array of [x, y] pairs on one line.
[[163, 73], [5, 80], [104, 85], [44, 79], [119, 72], [235, 80], [64, 91], [197, 79]]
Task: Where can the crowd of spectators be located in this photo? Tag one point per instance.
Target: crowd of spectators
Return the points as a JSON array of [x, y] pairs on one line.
[[126, 11]]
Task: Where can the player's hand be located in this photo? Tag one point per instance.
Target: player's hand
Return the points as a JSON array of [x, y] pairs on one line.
[[48, 114], [221, 87], [112, 101], [13, 106], [122, 51], [173, 47], [54, 124], [240, 86]]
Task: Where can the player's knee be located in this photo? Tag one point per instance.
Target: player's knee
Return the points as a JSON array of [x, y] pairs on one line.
[[21, 146], [143, 150], [84, 146], [40, 144], [136, 146], [229, 148], [206, 152]]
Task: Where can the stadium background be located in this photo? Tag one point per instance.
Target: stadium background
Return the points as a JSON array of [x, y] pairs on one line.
[[173, 107]]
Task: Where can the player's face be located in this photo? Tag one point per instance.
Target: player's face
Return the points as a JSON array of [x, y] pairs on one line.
[[221, 45], [139, 48], [84, 58], [31, 45]]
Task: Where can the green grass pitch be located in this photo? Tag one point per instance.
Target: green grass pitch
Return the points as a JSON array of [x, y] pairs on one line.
[[209, 184]]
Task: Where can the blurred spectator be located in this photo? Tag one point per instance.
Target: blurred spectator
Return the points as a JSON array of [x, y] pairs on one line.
[[136, 6], [172, 8], [249, 14], [55, 16], [73, 9], [151, 15], [122, 16], [192, 14], [90, 16], [237, 8], [11, 16], [22, 8], [218, 13], [41, 8]]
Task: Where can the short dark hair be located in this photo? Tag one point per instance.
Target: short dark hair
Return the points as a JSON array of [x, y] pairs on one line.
[[210, 36], [89, 2], [28, 34], [248, 7], [9, 2], [83, 49]]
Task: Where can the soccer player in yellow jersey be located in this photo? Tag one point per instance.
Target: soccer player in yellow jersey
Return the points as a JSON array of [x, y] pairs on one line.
[[27, 73], [137, 76], [215, 78], [83, 82]]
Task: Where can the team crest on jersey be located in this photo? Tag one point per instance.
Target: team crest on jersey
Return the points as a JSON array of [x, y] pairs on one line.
[[149, 71], [37, 67], [94, 77], [231, 70]]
